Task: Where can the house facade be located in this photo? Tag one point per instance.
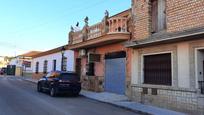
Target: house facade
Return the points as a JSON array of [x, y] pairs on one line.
[[101, 58], [168, 54], [52, 60]]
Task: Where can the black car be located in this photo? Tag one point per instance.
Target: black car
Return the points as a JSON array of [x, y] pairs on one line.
[[60, 82]]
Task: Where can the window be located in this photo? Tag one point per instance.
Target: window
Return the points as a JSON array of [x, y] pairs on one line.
[[37, 67], [157, 69], [64, 64], [158, 15], [90, 69], [54, 65], [45, 66], [28, 64]]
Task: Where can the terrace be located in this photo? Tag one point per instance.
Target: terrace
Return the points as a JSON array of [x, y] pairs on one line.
[[109, 30]]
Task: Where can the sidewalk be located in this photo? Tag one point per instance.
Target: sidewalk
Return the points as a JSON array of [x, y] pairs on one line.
[[123, 102]]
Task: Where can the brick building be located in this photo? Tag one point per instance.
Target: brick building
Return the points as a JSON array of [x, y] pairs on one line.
[[168, 54], [102, 59]]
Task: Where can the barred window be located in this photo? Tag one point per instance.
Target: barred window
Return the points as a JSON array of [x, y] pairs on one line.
[[45, 66], [54, 65], [64, 66], [158, 69], [37, 67]]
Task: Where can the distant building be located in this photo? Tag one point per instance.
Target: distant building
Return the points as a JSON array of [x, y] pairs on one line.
[[23, 63], [3, 61]]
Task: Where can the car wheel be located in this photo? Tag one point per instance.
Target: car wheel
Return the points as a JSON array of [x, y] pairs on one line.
[[39, 88], [52, 92]]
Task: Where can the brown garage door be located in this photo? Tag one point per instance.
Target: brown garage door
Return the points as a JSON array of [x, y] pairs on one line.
[[157, 69]]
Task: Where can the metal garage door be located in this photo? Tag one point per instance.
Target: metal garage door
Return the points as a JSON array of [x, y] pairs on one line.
[[115, 72]]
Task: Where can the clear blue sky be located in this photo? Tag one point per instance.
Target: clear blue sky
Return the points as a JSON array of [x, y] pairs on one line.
[[27, 25]]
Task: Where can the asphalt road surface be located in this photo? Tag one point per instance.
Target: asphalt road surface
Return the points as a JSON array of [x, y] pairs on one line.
[[19, 97]]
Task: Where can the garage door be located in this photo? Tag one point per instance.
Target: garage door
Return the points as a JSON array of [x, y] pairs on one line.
[[115, 72]]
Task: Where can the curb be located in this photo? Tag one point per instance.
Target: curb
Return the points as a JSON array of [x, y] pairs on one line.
[[29, 81], [123, 107], [110, 103]]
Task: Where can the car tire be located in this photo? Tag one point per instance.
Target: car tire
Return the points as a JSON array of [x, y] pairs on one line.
[[39, 88], [53, 92]]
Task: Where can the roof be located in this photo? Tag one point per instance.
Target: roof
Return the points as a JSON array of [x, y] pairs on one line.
[[52, 51], [30, 54], [165, 37]]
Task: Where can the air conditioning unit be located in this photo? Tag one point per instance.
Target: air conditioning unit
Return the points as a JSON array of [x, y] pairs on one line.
[[82, 52]]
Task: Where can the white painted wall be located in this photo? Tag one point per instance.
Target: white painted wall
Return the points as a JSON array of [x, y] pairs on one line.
[[183, 65], [200, 58], [56, 56], [135, 61]]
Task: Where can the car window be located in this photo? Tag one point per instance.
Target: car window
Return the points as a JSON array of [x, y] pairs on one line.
[[48, 75], [69, 76]]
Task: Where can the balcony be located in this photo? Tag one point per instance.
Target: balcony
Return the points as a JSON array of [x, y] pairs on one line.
[[106, 32]]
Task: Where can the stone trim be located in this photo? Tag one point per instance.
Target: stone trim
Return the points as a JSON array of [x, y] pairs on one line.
[[192, 47], [159, 50], [184, 100], [163, 87]]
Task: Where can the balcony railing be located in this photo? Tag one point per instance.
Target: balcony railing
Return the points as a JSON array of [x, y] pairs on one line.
[[78, 37], [201, 86], [111, 26], [94, 31], [117, 25]]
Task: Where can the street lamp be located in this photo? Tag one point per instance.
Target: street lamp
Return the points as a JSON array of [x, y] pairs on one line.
[[62, 52]]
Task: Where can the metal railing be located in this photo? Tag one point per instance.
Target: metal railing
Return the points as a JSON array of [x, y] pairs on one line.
[[201, 86]]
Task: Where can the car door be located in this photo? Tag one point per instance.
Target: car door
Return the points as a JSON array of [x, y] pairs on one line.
[[47, 81]]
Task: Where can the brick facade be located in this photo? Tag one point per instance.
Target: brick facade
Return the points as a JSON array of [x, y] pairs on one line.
[[141, 19], [180, 15], [184, 14]]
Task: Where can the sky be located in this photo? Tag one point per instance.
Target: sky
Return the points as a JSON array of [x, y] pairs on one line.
[[40, 25]]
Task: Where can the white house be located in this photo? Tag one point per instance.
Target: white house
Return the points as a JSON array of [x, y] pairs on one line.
[[52, 61]]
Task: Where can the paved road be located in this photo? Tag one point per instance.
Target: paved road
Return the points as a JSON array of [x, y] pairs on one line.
[[19, 97]]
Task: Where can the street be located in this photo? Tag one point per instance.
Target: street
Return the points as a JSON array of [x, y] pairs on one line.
[[19, 97]]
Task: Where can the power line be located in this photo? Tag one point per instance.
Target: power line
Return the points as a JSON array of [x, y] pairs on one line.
[[74, 12]]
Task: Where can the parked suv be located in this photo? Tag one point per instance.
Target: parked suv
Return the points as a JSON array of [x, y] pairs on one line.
[[60, 82]]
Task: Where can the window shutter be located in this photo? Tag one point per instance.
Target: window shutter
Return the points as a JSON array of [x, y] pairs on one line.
[[154, 15], [161, 15]]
